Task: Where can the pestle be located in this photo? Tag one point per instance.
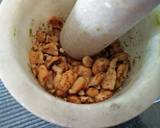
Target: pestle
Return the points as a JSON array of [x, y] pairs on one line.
[[94, 24]]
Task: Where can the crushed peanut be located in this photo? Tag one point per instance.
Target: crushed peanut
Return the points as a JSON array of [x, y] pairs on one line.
[[100, 65], [79, 84], [92, 92], [90, 80], [87, 61]]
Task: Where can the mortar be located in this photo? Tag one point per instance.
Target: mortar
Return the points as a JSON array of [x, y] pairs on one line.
[[18, 17]]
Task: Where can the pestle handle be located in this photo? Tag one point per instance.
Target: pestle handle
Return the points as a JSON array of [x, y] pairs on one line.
[[93, 24]]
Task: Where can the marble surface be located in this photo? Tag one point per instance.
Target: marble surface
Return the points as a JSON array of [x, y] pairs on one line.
[[13, 115]]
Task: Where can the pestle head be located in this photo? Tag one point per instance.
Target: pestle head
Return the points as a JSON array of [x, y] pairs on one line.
[[93, 25]]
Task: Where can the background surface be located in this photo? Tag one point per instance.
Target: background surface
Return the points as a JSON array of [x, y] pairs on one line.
[[13, 115]]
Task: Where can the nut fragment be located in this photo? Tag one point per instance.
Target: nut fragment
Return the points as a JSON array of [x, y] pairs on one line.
[[50, 49], [40, 36], [50, 80], [79, 84], [56, 22], [104, 94], [57, 69], [122, 72], [121, 56], [52, 39], [51, 60], [74, 99], [87, 61], [81, 93], [42, 74], [84, 71], [57, 80], [74, 62], [66, 81], [86, 99], [97, 79], [110, 78], [36, 57], [92, 92], [100, 65], [61, 50], [34, 70], [64, 66]]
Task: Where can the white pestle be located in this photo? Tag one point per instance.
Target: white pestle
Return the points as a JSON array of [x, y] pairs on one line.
[[94, 24]]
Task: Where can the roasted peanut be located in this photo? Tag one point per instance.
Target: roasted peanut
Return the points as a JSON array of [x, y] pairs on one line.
[[110, 77], [57, 69], [50, 80], [86, 99], [50, 49], [121, 56], [122, 72], [92, 92], [100, 65], [42, 74], [51, 60], [36, 46], [64, 66], [87, 61], [57, 80], [36, 57], [74, 99], [84, 71], [79, 84], [110, 80], [97, 79], [52, 39], [66, 82], [103, 95], [40, 36]]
